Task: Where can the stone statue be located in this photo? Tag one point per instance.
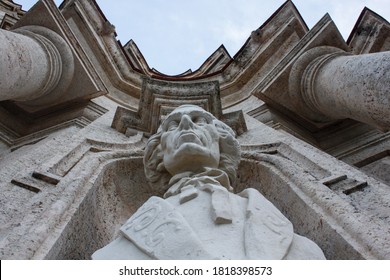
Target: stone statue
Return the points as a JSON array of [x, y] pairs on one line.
[[194, 158]]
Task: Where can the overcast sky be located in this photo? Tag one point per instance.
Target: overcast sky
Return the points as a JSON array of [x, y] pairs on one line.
[[175, 35]]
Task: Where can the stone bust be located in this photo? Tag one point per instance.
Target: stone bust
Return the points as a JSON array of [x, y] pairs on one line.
[[193, 159]]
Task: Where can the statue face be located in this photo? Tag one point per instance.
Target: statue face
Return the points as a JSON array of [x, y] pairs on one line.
[[189, 141]]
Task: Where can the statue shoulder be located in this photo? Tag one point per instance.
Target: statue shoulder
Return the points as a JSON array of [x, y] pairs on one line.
[[263, 217], [303, 248], [257, 202]]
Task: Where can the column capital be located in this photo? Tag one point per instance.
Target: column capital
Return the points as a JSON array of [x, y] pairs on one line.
[[301, 81]]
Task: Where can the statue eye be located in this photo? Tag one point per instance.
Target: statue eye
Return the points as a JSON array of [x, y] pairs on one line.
[[200, 121], [172, 125]]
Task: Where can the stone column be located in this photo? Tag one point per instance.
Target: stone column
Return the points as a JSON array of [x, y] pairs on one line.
[[31, 63], [338, 85]]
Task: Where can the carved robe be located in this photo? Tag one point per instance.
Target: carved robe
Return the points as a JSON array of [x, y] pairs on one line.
[[202, 219]]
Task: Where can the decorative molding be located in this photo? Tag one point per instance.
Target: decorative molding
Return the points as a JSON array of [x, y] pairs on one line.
[[282, 86], [284, 151], [16, 132], [12, 13], [305, 73], [315, 34], [68, 162], [159, 98], [40, 180], [370, 34]]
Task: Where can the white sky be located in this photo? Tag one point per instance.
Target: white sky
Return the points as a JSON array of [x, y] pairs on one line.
[[175, 35]]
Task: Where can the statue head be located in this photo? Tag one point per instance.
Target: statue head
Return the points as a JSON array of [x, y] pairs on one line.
[[190, 139]]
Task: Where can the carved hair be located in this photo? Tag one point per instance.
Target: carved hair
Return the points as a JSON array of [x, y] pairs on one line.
[[159, 177]]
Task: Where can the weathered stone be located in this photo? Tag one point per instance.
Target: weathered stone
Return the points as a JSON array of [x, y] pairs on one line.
[[71, 168], [340, 86], [159, 98], [33, 66]]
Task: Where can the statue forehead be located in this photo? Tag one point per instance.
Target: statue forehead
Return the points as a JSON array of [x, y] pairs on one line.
[[185, 109], [191, 110]]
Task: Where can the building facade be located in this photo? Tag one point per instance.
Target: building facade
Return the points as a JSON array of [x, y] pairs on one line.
[[310, 110]]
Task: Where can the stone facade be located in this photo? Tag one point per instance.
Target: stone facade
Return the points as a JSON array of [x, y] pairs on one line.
[[311, 112], [10, 13]]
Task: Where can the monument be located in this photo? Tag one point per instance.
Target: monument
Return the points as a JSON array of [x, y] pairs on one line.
[[194, 157], [80, 111]]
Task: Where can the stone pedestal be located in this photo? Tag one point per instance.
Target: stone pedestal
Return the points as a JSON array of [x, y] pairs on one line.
[[32, 63]]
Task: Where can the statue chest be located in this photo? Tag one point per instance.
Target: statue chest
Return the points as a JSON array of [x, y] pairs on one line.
[[222, 240]]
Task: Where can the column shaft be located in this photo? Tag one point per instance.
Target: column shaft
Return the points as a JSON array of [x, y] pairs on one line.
[[350, 86], [30, 65]]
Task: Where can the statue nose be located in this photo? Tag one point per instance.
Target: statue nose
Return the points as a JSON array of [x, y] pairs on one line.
[[186, 122]]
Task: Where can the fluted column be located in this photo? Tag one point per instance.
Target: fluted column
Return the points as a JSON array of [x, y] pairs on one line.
[[339, 85], [31, 63]]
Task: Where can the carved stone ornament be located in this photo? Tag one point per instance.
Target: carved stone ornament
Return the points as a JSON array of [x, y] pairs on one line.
[[193, 157], [159, 98]]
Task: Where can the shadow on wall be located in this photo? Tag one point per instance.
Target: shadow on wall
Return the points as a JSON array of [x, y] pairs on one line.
[[119, 190]]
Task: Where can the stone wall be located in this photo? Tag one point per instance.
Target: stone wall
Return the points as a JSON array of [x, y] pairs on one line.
[[70, 158]]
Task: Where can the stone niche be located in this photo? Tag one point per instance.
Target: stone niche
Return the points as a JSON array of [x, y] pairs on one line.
[[118, 190], [286, 196], [121, 188]]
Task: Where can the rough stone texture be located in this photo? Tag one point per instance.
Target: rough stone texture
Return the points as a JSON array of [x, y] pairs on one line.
[[33, 66], [68, 180], [370, 34], [79, 80], [355, 87]]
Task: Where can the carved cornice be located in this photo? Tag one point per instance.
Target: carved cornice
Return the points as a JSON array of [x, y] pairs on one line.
[[13, 12], [370, 34], [159, 98], [99, 40], [18, 128]]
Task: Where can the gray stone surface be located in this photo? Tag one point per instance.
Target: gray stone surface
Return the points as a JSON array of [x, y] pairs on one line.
[[32, 67], [69, 181], [343, 86]]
